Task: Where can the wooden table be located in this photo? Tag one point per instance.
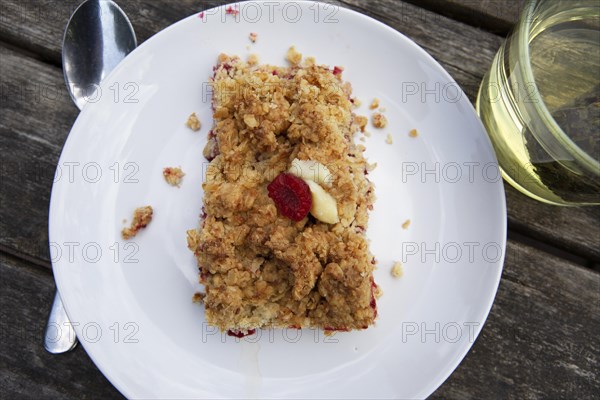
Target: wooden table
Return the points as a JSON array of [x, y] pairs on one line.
[[541, 339]]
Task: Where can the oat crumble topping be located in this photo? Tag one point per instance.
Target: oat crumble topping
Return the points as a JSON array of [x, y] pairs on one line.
[[173, 175], [142, 216], [293, 56], [193, 122], [379, 120], [260, 268], [397, 270], [198, 297], [310, 62]]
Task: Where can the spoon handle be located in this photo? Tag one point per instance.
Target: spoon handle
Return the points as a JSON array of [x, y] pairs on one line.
[[59, 336]]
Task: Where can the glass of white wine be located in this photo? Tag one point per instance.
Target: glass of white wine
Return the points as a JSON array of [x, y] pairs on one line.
[[540, 102]]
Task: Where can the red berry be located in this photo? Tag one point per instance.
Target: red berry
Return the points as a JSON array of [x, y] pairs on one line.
[[291, 196]]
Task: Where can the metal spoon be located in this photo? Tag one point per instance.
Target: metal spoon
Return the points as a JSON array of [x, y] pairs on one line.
[[98, 36]]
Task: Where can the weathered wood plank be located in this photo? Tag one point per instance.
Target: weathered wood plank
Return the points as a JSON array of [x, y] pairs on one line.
[[38, 25], [496, 16], [37, 115], [26, 369], [541, 338], [573, 229]]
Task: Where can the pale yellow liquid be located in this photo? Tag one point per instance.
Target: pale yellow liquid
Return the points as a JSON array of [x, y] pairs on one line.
[[549, 151]]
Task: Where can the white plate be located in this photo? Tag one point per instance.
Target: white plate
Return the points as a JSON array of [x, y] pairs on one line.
[[132, 301]]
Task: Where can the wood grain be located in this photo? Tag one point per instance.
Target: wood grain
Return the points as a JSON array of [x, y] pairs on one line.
[[27, 371], [541, 338], [37, 115], [496, 16]]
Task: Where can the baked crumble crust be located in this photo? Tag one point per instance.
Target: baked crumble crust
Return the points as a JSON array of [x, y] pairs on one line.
[[379, 120], [142, 216], [259, 268], [397, 270], [374, 104], [193, 122], [173, 175]]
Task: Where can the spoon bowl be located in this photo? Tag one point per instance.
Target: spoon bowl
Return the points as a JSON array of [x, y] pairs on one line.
[[98, 36]]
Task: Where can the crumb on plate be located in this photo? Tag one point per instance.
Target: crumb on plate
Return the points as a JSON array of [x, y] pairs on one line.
[[397, 270], [142, 216], [406, 224], [253, 36], [173, 175], [294, 56], [389, 139], [379, 120], [193, 122], [374, 104], [198, 297], [413, 133]]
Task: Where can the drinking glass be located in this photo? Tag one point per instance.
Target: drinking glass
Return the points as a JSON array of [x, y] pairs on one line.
[[540, 102]]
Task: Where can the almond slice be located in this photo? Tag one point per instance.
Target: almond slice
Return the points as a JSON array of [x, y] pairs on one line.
[[324, 206]]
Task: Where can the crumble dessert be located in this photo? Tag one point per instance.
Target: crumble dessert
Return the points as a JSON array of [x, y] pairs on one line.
[[173, 176], [142, 216], [193, 122], [413, 133], [397, 271], [280, 243], [379, 120]]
